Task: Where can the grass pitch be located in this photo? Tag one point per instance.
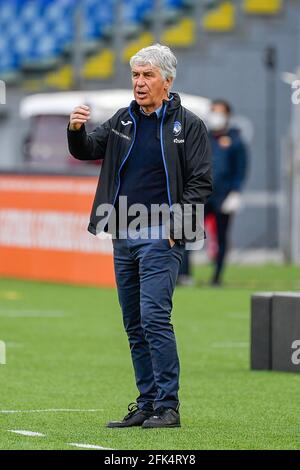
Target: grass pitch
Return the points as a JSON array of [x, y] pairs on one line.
[[66, 350]]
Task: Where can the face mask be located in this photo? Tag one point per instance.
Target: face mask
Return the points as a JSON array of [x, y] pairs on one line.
[[217, 121]]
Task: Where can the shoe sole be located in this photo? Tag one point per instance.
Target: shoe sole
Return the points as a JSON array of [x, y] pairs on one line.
[[163, 426], [122, 426]]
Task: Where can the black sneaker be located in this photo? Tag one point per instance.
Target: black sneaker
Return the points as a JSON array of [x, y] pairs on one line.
[[163, 418], [135, 417]]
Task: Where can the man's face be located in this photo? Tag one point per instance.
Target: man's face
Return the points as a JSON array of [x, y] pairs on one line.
[[219, 108], [219, 118], [149, 87]]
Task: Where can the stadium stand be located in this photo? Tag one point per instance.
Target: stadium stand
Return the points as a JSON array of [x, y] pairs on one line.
[[36, 40], [37, 35], [219, 17], [183, 34], [144, 40], [262, 7]]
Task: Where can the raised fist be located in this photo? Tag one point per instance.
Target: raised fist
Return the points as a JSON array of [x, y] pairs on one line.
[[79, 116]]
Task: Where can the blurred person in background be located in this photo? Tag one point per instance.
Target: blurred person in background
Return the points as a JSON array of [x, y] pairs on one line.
[[229, 162], [185, 277]]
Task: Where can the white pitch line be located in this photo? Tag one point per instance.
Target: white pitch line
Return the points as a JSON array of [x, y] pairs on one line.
[[51, 410], [31, 314], [27, 433], [88, 446]]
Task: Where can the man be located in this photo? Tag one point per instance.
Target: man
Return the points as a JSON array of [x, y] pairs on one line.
[[229, 172], [155, 152]]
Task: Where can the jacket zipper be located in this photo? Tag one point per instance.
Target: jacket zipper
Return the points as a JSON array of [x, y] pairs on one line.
[[128, 153], [163, 154], [123, 163]]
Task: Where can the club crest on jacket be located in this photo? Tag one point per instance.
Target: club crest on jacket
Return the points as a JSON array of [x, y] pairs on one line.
[[177, 128]]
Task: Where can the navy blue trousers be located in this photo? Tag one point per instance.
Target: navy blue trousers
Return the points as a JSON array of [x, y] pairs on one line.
[[146, 271]]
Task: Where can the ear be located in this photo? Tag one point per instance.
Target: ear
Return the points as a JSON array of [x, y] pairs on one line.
[[168, 83]]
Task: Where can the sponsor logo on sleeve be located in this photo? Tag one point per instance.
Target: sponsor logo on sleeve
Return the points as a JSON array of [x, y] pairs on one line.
[[120, 134]]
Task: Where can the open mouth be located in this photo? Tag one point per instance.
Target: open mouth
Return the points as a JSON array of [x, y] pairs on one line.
[[141, 94]]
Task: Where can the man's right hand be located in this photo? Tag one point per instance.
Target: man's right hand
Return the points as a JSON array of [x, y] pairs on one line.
[[78, 117]]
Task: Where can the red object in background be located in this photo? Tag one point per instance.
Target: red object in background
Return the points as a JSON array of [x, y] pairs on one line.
[[43, 231], [212, 239]]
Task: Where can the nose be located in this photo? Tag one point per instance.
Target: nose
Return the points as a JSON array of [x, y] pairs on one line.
[[140, 81]]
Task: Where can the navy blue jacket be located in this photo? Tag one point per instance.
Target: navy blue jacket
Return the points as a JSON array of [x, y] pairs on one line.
[[185, 154], [229, 164]]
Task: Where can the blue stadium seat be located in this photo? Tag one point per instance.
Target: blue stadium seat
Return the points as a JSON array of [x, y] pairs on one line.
[[99, 18], [134, 12], [36, 33], [8, 62], [171, 11], [173, 3]]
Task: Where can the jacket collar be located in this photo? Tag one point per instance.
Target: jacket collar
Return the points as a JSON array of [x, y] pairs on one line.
[[171, 104], [158, 111]]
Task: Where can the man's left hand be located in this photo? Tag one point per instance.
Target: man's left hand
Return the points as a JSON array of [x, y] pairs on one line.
[[232, 203]]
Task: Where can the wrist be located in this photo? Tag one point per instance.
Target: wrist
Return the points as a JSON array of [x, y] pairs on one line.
[[72, 128]]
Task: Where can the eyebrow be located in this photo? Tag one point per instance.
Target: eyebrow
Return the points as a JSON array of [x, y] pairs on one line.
[[144, 71]]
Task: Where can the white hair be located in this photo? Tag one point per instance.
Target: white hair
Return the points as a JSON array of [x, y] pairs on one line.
[[157, 56]]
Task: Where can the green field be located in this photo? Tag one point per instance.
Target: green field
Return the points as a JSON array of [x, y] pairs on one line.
[[66, 350]]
